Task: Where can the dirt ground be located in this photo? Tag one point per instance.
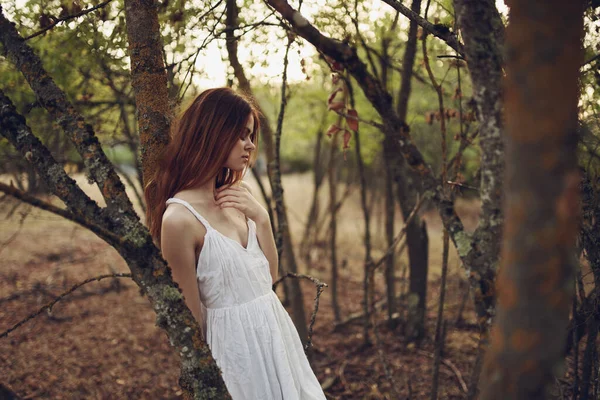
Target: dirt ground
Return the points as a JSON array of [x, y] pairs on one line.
[[101, 342]]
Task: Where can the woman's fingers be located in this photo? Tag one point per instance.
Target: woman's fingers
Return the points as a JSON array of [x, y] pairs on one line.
[[227, 197], [232, 204]]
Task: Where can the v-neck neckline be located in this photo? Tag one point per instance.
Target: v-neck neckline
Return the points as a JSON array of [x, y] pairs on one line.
[[235, 241], [208, 226]]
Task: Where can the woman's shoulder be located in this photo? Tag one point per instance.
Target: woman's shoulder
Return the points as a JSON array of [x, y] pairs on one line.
[[176, 216], [246, 186]]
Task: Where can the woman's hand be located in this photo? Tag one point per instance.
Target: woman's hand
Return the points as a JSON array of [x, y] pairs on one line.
[[240, 198]]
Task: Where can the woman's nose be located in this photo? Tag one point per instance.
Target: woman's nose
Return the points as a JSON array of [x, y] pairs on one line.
[[250, 146]]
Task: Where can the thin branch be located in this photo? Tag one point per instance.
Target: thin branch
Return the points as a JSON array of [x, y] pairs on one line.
[[63, 112], [439, 31], [399, 236], [320, 287], [452, 367], [43, 205], [357, 118], [14, 128], [67, 18], [60, 297]]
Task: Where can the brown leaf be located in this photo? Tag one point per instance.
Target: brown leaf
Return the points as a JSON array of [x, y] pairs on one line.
[[336, 106], [333, 129], [347, 136], [352, 120], [333, 94]]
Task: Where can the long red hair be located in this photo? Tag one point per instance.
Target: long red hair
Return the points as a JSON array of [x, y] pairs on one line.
[[201, 141]]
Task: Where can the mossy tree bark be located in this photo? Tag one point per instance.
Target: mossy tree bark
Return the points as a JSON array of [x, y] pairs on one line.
[[541, 199], [117, 223]]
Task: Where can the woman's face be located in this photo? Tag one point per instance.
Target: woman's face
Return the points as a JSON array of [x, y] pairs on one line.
[[239, 156]]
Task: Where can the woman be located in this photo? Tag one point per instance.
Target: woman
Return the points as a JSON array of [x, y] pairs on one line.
[[218, 242]]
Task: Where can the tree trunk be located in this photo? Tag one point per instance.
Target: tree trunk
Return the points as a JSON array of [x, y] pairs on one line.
[[407, 192], [542, 199], [149, 82], [332, 178]]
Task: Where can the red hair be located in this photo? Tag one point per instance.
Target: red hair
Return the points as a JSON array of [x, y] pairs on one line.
[[201, 141]]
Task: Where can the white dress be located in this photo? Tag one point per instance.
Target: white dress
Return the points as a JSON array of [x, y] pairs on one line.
[[249, 332]]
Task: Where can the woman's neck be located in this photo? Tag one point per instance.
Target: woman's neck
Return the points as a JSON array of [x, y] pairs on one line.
[[205, 191]]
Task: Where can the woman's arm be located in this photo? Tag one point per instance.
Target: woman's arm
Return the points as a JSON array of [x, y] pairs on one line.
[[178, 249], [264, 233]]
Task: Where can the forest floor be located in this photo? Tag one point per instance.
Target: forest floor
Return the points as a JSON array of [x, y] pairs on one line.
[[101, 341]]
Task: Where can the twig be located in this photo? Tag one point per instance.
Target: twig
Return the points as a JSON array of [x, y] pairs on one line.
[[320, 287], [60, 297], [276, 185], [372, 123], [462, 185], [34, 201], [452, 367], [67, 18], [380, 352], [399, 236]]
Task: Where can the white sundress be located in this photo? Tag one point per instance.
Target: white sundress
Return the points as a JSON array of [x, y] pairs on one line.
[[249, 332]]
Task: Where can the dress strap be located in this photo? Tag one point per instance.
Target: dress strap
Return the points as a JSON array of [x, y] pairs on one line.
[[192, 210]]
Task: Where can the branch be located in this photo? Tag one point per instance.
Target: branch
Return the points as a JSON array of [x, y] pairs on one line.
[[439, 31], [375, 93], [43, 205], [60, 297], [357, 118], [399, 236], [67, 18], [395, 128], [320, 287], [62, 111], [87, 211]]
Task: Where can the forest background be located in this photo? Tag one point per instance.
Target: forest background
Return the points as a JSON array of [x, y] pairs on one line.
[[423, 335]]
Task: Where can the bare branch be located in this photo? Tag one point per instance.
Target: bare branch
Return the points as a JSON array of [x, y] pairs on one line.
[[59, 298], [43, 205], [62, 111], [67, 18], [320, 287], [87, 212], [439, 31]]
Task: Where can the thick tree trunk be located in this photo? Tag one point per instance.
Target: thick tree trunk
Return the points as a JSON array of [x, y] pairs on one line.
[[542, 199], [149, 81], [479, 22]]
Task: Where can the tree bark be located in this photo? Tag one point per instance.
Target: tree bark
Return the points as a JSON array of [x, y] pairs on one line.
[[117, 223], [542, 199], [408, 190], [149, 81]]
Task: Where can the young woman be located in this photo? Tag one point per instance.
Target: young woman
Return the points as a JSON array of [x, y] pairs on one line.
[[218, 242]]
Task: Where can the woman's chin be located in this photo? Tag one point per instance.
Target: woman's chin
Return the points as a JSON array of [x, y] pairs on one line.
[[238, 168]]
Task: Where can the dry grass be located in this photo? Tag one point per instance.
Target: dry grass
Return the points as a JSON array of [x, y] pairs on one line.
[[102, 342]]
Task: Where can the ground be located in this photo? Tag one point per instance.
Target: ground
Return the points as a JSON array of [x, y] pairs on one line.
[[101, 341]]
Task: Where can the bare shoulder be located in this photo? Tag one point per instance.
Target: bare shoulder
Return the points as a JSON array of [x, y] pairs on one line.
[[246, 186], [178, 221]]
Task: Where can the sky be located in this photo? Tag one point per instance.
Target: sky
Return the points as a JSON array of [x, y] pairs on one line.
[[213, 67]]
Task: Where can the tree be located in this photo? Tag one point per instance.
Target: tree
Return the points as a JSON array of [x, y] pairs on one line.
[[542, 199], [117, 223]]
